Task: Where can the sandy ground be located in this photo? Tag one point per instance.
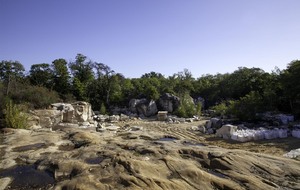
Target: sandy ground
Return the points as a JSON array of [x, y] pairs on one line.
[[158, 156]]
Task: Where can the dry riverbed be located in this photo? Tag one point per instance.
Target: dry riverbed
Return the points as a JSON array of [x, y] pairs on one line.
[[143, 155]]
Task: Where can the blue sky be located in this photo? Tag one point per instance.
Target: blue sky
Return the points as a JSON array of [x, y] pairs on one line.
[[135, 37]]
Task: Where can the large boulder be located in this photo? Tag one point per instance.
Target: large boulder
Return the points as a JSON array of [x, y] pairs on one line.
[[47, 118], [168, 102], [82, 112], [143, 107], [226, 131]]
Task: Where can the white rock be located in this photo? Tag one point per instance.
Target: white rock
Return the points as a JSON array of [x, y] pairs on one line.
[[293, 153]]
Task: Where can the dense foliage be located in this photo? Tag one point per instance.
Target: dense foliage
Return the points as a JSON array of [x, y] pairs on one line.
[[243, 93]]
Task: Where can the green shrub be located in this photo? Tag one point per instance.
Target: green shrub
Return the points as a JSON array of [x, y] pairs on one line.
[[187, 107], [14, 118], [245, 108], [102, 109], [220, 109]]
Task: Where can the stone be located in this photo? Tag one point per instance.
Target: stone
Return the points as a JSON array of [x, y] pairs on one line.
[[136, 128], [124, 117], [226, 131], [296, 133], [82, 111], [216, 123], [168, 102], [114, 118], [202, 129], [143, 107], [48, 118], [194, 128], [284, 119], [4, 182], [293, 153], [112, 128], [210, 131], [33, 121], [190, 120], [208, 124], [162, 116]]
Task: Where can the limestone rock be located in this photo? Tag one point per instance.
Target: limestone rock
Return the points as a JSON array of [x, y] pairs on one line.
[[48, 118], [226, 131], [82, 111], [293, 153]]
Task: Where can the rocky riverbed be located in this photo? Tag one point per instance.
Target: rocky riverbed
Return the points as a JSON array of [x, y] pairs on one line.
[[143, 155]]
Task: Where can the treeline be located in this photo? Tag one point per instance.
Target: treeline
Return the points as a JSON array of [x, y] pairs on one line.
[[243, 93]]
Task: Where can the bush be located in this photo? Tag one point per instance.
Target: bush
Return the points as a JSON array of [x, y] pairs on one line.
[[220, 109], [187, 107], [102, 109], [245, 108], [14, 118]]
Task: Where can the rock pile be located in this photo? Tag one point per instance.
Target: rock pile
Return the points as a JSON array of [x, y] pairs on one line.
[[244, 135]]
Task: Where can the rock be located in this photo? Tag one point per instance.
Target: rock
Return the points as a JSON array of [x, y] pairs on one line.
[[210, 131], [208, 124], [136, 128], [162, 115], [216, 123], [169, 102], [112, 128], [82, 111], [101, 130], [284, 119], [124, 117], [143, 107], [226, 131], [48, 118], [190, 120], [114, 118], [4, 182], [202, 129], [194, 128], [293, 153], [296, 133]]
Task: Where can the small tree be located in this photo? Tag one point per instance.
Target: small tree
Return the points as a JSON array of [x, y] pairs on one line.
[[14, 118], [102, 109]]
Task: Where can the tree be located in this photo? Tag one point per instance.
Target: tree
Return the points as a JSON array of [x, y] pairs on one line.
[[41, 75], [83, 75], [61, 77], [183, 82], [11, 71], [291, 86], [105, 74]]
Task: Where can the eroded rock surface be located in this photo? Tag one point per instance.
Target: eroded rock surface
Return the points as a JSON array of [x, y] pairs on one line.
[[141, 159]]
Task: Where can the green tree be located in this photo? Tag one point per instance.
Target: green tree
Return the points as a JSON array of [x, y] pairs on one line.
[[10, 72], [14, 118], [61, 77], [83, 75], [41, 75], [289, 79], [183, 82]]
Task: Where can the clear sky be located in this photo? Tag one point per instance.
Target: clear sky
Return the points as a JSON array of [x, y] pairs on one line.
[[134, 37]]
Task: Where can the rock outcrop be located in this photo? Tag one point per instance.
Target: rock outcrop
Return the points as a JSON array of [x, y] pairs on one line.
[[143, 107], [168, 102], [75, 113]]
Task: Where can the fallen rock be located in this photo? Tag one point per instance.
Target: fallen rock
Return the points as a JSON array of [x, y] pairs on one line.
[[226, 131], [293, 153]]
